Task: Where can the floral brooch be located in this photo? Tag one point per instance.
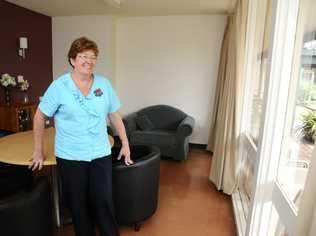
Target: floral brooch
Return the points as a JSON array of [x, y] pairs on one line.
[[98, 92]]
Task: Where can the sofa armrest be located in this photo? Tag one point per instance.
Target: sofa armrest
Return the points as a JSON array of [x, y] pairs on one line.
[[185, 128], [130, 123]]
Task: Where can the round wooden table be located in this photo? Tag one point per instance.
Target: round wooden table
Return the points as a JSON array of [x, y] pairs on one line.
[[17, 148]]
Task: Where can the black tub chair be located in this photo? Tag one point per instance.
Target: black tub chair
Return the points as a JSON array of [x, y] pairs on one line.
[[14, 179], [27, 213], [135, 187]]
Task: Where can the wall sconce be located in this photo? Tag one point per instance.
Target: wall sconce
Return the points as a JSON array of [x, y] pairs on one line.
[[23, 46]]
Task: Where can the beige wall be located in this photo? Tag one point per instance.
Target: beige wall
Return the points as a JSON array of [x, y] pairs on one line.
[[101, 29], [152, 60], [170, 60]]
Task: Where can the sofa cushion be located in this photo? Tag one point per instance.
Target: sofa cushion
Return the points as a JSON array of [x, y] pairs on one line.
[[144, 123], [154, 137]]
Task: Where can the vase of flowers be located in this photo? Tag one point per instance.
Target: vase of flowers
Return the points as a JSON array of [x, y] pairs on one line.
[[7, 82], [23, 86]]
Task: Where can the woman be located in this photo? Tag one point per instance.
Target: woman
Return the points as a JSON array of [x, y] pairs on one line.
[[80, 102]]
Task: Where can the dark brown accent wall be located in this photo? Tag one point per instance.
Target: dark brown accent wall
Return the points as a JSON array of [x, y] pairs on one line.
[[18, 22]]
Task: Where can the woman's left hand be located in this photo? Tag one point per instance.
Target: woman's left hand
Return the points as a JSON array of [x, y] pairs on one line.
[[127, 155]]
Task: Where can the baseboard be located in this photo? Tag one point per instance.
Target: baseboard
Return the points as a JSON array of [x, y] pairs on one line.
[[239, 215], [198, 146]]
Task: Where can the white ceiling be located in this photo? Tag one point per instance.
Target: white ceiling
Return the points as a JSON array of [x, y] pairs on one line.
[[128, 7]]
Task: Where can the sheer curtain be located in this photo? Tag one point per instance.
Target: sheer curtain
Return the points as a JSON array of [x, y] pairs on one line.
[[227, 108]]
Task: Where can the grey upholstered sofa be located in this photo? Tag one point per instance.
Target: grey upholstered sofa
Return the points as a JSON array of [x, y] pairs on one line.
[[163, 126]]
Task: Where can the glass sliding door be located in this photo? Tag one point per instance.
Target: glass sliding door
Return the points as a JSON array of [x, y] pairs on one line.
[[300, 132], [258, 41], [288, 131], [300, 122]]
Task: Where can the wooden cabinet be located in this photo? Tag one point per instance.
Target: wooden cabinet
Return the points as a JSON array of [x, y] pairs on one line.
[[17, 117]]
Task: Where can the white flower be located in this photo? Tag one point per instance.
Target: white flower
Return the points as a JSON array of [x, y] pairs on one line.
[[20, 79], [24, 85], [7, 81]]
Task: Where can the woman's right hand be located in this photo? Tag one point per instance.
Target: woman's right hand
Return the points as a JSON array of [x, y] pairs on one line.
[[36, 161], [38, 130]]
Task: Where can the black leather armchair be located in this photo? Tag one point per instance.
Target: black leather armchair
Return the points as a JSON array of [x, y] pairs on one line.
[[136, 187], [163, 126], [28, 212], [14, 179]]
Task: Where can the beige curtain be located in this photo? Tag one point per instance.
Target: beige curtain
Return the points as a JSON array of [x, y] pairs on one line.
[[227, 108]]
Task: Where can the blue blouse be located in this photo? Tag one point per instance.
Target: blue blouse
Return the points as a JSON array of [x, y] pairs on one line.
[[80, 121]]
